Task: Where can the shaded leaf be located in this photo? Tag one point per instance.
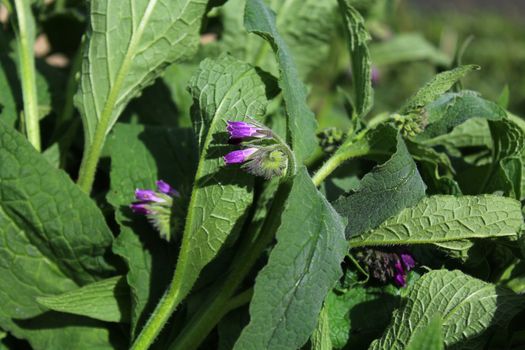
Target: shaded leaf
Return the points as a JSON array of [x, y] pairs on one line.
[[140, 156], [386, 190]]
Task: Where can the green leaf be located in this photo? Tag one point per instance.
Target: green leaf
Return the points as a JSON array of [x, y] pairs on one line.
[[223, 89], [440, 84], [508, 159], [386, 190], [106, 300], [118, 64], [320, 338], [429, 337], [259, 19], [360, 57], [438, 219], [139, 157], [453, 109], [406, 47], [469, 306], [56, 240], [359, 315], [302, 267]]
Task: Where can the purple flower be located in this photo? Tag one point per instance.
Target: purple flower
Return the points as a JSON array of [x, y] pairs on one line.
[[140, 208], [399, 274], [408, 261], [242, 130], [148, 196], [165, 188], [239, 156], [375, 75]]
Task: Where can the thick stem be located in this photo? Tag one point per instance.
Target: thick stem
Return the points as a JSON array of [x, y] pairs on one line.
[[210, 314], [28, 72]]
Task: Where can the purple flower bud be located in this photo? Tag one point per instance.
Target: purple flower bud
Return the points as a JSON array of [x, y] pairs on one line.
[[400, 280], [408, 261], [140, 208], [239, 156], [165, 188], [375, 75], [148, 196], [241, 130]]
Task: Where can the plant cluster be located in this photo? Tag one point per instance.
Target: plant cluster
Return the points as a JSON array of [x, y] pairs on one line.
[[206, 174]]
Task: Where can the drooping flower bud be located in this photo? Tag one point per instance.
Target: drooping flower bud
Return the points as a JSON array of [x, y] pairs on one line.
[[239, 156], [267, 163], [157, 206], [243, 130]]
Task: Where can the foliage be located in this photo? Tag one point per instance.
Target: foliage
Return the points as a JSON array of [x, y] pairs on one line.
[[388, 213]]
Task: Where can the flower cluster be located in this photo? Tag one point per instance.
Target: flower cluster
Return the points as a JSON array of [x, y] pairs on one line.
[[157, 206], [262, 153], [412, 124], [330, 139], [387, 266]]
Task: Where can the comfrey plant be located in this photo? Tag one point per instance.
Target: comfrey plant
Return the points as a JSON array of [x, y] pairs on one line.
[[340, 222]]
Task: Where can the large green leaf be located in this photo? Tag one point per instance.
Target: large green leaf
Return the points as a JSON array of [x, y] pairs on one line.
[[55, 239], [438, 219], [140, 156], [302, 267], [468, 306], [301, 121], [320, 338], [440, 84], [128, 46], [223, 89], [386, 190], [361, 64], [106, 300]]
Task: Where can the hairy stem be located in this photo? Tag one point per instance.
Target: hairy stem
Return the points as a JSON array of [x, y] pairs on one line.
[[26, 58], [211, 313]]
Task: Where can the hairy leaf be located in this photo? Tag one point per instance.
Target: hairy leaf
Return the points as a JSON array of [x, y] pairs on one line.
[[302, 267], [440, 218], [386, 190], [361, 64], [140, 156], [106, 300], [429, 337], [259, 19], [469, 306], [435, 88], [128, 46], [55, 239], [453, 109]]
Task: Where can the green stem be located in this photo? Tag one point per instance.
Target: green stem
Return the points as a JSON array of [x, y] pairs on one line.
[[203, 322], [344, 153], [28, 71]]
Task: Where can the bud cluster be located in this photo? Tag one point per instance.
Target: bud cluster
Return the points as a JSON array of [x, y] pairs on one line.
[[410, 125], [158, 206], [330, 139], [386, 266], [262, 152]]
